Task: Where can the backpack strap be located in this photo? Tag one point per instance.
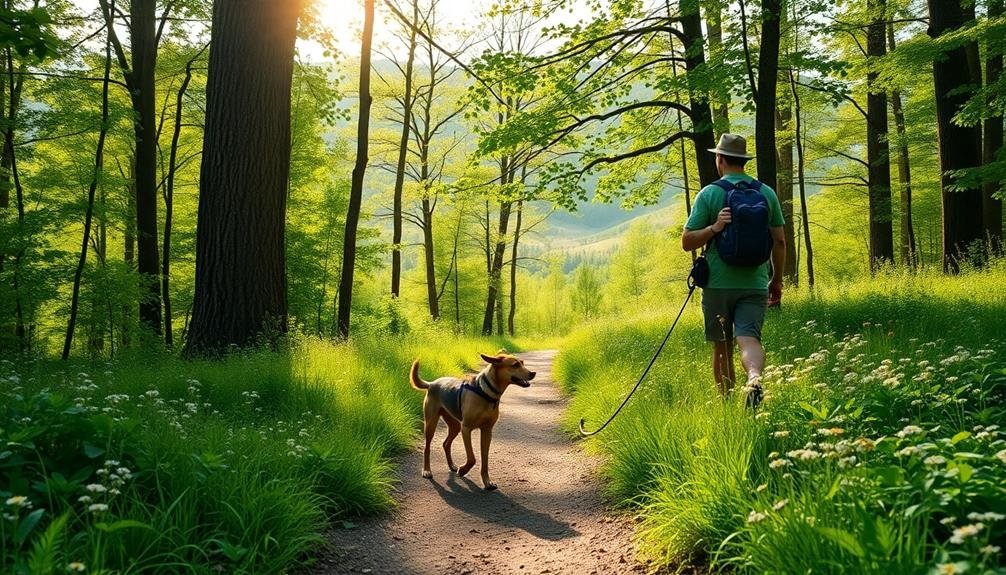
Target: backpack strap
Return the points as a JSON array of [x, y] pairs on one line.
[[724, 184]]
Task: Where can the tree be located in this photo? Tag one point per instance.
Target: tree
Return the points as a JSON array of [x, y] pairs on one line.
[[587, 294], [877, 151], [356, 191], [240, 255], [960, 146], [403, 150], [992, 143], [908, 247]]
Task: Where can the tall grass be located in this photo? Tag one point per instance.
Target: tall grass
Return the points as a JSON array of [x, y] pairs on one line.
[[878, 438], [162, 465]]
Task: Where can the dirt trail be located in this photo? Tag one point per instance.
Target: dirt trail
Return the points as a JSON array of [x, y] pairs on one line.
[[546, 517]]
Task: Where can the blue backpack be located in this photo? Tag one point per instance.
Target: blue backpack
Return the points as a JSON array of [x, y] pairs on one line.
[[746, 241]]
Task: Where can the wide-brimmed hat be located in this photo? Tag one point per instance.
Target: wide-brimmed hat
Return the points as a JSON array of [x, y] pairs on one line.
[[732, 145]]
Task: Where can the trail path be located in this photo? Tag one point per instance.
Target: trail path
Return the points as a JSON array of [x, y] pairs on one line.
[[546, 517]]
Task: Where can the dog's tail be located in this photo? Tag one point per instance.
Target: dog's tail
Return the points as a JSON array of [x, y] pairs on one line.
[[414, 378]]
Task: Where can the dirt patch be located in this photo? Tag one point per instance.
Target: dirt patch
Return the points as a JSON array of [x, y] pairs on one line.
[[546, 517]]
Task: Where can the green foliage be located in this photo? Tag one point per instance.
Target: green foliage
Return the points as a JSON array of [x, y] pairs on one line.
[[878, 446], [236, 465]]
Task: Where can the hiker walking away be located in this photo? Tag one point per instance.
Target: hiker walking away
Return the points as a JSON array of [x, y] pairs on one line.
[[739, 221]]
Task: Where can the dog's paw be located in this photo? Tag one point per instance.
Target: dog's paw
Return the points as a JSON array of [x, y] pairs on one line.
[[489, 486], [427, 474], [465, 469]]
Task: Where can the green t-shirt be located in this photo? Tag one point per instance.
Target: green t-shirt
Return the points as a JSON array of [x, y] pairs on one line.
[[705, 209]]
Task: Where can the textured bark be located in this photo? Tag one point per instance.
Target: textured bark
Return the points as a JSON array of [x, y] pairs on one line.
[[960, 146], [129, 241], [496, 258], [143, 40], [240, 253], [908, 247], [992, 143], [702, 116], [877, 151], [784, 189], [765, 98], [513, 267], [428, 255], [356, 191], [403, 149]]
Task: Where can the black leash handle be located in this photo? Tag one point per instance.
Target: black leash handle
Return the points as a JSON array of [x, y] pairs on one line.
[[692, 284]]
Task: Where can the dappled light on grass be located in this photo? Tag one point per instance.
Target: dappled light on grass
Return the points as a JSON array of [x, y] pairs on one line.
[[235, 465], [878, 446]]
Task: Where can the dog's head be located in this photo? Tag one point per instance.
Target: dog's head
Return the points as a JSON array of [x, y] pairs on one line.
[[508, 369]]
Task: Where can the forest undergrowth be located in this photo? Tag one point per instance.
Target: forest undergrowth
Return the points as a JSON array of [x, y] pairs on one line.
[[154, 464], [879, 446]]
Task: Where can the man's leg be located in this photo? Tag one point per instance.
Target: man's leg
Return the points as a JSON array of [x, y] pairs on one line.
[[723, 366], [752, 356]]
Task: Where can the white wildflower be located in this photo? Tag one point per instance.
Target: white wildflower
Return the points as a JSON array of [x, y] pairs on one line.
[[97, 507], [755, 517], [780, 504], [962, 533], [909, 430], [935, 460]]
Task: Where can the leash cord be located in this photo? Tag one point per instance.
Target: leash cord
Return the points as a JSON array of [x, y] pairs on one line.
[[691, 290]]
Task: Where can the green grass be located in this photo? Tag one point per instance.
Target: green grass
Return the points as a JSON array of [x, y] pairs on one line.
[[153, 464], [828, 477]]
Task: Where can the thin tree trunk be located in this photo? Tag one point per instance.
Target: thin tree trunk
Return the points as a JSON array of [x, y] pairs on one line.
[[89, 213], [513, 263], [496, 268], [909, 250], [878, 155], [8, 161], [701, 116], [992, 143], [784, 189], [403, 149], [681, 143], [143, 40], [960, 146], [801, 180], [241, 286], [714, 26], [428, 253], [765, 98], [129, 241], [356, 192], [169, 193]]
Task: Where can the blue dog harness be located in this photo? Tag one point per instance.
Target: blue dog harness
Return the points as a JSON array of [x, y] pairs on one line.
[[480, 386]]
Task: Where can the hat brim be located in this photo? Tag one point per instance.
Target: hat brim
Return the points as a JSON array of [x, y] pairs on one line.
[[732, 154]]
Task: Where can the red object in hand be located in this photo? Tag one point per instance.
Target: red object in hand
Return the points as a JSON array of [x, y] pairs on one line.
[[774, 295]]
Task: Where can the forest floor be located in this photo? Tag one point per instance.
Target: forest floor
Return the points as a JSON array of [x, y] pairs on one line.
[[548, 515]]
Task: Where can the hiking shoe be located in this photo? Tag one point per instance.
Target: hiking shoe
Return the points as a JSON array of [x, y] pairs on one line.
[[755, 394]]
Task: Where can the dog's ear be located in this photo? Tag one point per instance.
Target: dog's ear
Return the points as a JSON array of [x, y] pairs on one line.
[[490, 359]]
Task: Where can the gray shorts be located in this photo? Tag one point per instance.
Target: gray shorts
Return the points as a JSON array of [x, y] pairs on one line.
[[733, 312]]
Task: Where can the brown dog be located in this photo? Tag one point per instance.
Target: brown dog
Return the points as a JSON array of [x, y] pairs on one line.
[[466, 404]]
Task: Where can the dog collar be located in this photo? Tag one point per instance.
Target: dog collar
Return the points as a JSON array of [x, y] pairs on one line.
[[477, 390], [483, 381]]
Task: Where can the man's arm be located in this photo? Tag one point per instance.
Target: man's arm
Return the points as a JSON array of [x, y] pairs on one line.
[[695, 239], [778, 262]]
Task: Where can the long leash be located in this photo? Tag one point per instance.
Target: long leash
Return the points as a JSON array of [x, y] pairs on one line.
[[698, 277]]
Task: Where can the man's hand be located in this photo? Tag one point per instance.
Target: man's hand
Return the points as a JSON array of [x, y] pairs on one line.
[[775, 293], [722, 219]]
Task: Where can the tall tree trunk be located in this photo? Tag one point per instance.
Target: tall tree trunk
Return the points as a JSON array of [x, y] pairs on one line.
[[143, 41], [129, 240], [992, 142], [403, 150], [8, 162], [431, 271], [507, 173], [909, 250], [765, 98], [513, 263], [784, 189], [960, 146], [877, 151], [89, 213], [701, 116], [801, 179], [240, 250], [169, 194], [714, 26], [356, 191]]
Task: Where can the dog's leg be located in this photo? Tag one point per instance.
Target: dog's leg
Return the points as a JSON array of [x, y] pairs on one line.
[[466, 435], [453, 429], [486, 435], [430, 416]]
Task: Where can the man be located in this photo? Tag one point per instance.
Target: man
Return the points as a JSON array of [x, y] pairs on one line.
[[735, 300]]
